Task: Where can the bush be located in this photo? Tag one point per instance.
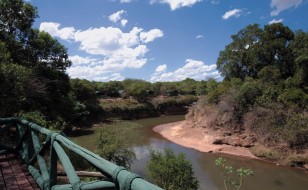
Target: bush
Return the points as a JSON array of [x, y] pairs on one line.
[[265, 152], [14, 88], [270, 94], [41, 120], [114, 142], [267, 123], [296, 131], [294, 96], [297, 160], [247, 96], [80, 112], [170, 171], [163, 103]]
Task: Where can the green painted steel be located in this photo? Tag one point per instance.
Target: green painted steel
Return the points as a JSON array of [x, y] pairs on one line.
[[43, 166]]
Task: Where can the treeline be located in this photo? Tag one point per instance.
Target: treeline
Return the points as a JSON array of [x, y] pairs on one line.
[[34, 83], [265, 87], [143, 89], [133, 98]]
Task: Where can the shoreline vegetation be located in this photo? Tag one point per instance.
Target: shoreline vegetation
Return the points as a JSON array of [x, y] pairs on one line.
[[204, 140]]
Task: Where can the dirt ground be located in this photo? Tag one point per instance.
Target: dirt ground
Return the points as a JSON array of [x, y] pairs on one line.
[[198, 138]]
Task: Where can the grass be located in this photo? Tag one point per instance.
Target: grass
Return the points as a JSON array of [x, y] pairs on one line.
[[265, 152], [296, 160]]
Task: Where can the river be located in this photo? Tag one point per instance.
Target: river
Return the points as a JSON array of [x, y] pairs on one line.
[[267, 176]]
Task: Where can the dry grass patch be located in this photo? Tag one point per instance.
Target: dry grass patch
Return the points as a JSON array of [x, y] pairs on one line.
[[265, 152]]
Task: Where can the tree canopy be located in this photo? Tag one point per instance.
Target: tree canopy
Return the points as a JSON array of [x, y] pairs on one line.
[[32, 64], [171, 171], [253, 50]]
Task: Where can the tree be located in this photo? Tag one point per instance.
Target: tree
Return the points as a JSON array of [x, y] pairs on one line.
[[171, 171], [23, 49], [137, 88], [16, 18], [188, 86], [85, 101], [247, 95], [4, 54], [47, 51], [300, 50], [240, 57], [110, 88], [13, 85], [113, 143], [253, 48], [83, 90], [201, 88], [275, 42]]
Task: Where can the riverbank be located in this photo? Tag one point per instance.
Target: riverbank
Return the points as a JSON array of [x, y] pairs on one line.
[[199, 139]]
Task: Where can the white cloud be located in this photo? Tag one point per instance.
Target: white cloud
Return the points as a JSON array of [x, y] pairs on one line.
[[115, 17], [77, 60], [215, 2], [93, 73], [281, 5], [275, 21], [120, 50], [192, 69], [101, 41], [161, 68], [124, 22], [233, 13], [126, 1], [66, 33], [176, 4], [151, 35], [117, 50], [199, 36]]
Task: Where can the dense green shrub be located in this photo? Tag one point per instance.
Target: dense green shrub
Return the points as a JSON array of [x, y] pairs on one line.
[[296, 131], [14, 88], [114, 142], [41, 120], [247, 96], [171, 171], [294, 96]]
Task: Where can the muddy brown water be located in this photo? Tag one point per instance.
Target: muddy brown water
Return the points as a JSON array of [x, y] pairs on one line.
[[267, 176]]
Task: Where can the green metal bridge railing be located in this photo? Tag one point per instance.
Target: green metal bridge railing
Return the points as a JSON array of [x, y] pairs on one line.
[[43, 166]]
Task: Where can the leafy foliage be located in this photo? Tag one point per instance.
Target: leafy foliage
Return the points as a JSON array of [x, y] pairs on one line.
[[13, 85], [39, 119], [265, 88], [226, 172], [171, 171], [247, 95], [254, 48], [32, 65], [114, 142]]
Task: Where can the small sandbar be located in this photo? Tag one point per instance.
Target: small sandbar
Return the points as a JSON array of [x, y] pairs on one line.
[[198, 138]]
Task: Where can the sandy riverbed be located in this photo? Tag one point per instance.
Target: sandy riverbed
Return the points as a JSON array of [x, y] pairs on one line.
[[198, 138]]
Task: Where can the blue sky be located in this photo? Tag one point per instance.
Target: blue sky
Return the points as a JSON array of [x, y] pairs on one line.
[[156, 40]]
